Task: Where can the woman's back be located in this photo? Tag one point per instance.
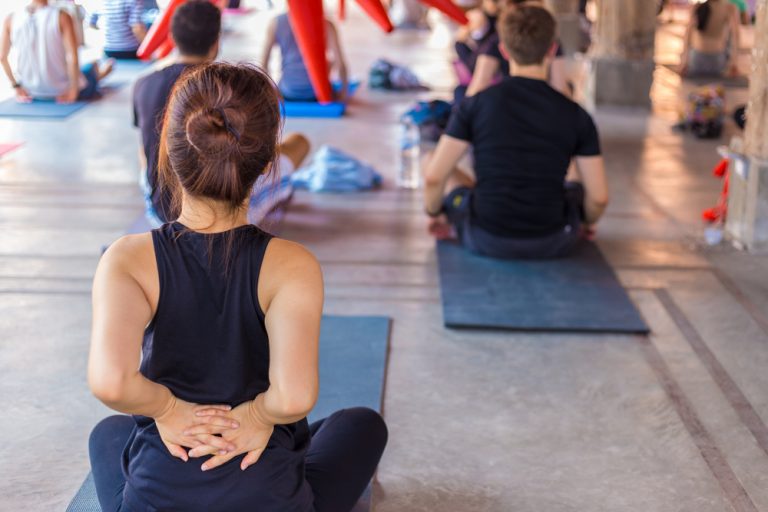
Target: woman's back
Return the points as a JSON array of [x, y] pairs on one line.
[[208, 344], [713, 25], [294, 78]]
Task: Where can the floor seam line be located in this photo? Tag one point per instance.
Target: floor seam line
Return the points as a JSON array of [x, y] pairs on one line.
[[732, 392], [710, 452]]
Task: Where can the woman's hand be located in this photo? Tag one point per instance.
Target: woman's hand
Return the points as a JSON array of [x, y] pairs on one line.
[[251, 438], [207, 420]]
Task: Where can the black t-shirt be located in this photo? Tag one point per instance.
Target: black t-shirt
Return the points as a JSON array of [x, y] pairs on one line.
[[490, 47], [524, 134], [150, 96]]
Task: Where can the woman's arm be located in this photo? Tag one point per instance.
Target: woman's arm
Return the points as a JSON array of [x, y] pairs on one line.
[[269, 43], [735, 27], [121, 311], [339, 61], [486, 68], [687, 44], [293, 307]]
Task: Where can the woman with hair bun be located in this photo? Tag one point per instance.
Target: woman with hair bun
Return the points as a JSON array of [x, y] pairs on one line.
[[206, 331]]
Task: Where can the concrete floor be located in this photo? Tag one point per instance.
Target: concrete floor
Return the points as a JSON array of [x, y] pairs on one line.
[[479, 421]]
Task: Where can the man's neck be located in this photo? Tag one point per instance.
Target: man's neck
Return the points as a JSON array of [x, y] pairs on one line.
[[192, 59], [536, 72], [39, 3]]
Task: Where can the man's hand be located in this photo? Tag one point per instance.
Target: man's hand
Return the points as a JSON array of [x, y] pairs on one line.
[[440, 228], [251, 438], [22, 96], [68, 97]]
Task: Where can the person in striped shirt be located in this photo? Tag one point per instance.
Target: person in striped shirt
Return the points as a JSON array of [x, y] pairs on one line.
[[123, 27]]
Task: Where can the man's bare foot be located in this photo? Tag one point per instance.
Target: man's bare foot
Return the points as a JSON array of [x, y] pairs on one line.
[[104, 69]]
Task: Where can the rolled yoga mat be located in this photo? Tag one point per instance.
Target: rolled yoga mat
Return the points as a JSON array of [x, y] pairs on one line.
[[579, 293], [353, 360]]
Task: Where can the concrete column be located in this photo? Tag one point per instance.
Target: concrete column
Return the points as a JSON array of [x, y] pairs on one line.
[[622, 53], [747, 222], [568, 23]]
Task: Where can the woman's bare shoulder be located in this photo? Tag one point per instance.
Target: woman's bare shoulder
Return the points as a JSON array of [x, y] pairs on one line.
[[129, 254]]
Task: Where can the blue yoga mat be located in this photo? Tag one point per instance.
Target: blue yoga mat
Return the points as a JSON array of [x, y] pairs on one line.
[[48, 109], [353, 359], [578, 294], [315, 109]]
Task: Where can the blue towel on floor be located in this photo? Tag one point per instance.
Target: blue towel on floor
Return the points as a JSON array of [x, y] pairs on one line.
[[332, 170]]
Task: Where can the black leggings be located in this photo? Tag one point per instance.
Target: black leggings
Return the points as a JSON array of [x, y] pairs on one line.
[[341, 460]]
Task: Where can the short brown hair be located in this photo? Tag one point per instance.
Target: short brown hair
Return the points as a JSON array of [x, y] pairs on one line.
[[527, 33]]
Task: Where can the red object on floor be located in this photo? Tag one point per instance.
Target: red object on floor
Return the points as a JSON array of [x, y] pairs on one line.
[[719, 211], [158, 32], [308, 25], [11, 146], [164, 49], [377, 12], [342, 10], [449, 9]]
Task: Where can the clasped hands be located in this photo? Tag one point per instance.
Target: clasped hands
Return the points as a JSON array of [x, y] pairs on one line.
[[217, 430]]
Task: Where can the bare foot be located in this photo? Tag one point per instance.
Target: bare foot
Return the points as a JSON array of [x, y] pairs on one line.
[[103, 70]]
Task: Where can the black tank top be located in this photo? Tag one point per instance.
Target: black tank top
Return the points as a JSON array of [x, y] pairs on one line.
[[208, 344]]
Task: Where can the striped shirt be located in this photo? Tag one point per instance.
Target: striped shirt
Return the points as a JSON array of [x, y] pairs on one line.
[[118, 17]]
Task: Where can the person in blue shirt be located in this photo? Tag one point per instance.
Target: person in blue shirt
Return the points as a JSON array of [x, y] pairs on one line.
[[124, 29]]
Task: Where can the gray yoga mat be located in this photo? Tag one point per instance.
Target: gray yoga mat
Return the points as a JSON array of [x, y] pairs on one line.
[[353, 360], [579, 293]]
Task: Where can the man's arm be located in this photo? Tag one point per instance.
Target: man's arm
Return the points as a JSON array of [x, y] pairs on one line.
[[439, 169], [73, 64], [591, 170], [5, 51]]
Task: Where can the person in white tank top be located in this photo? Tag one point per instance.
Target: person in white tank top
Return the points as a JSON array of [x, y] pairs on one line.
[[48, 68]]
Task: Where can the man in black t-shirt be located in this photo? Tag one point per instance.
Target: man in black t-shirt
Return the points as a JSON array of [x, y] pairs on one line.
[[524, 135], [195, 28], [490, 64]]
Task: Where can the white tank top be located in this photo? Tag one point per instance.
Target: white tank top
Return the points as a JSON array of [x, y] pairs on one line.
[[42, 60]]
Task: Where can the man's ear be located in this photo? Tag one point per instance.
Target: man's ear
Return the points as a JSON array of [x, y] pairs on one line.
[[504, 52], [552, 52]]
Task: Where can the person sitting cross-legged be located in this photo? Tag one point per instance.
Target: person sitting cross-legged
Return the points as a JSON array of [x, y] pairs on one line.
[[523, 134], [295, 84], [48, 68], [195, 29]]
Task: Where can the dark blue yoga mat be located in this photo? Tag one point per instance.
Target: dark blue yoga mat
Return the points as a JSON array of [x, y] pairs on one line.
[[315, 109], [48, 109], [353, 360], [579, 293]]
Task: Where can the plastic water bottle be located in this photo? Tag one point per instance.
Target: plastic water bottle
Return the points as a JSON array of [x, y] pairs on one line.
[[410, 154]]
